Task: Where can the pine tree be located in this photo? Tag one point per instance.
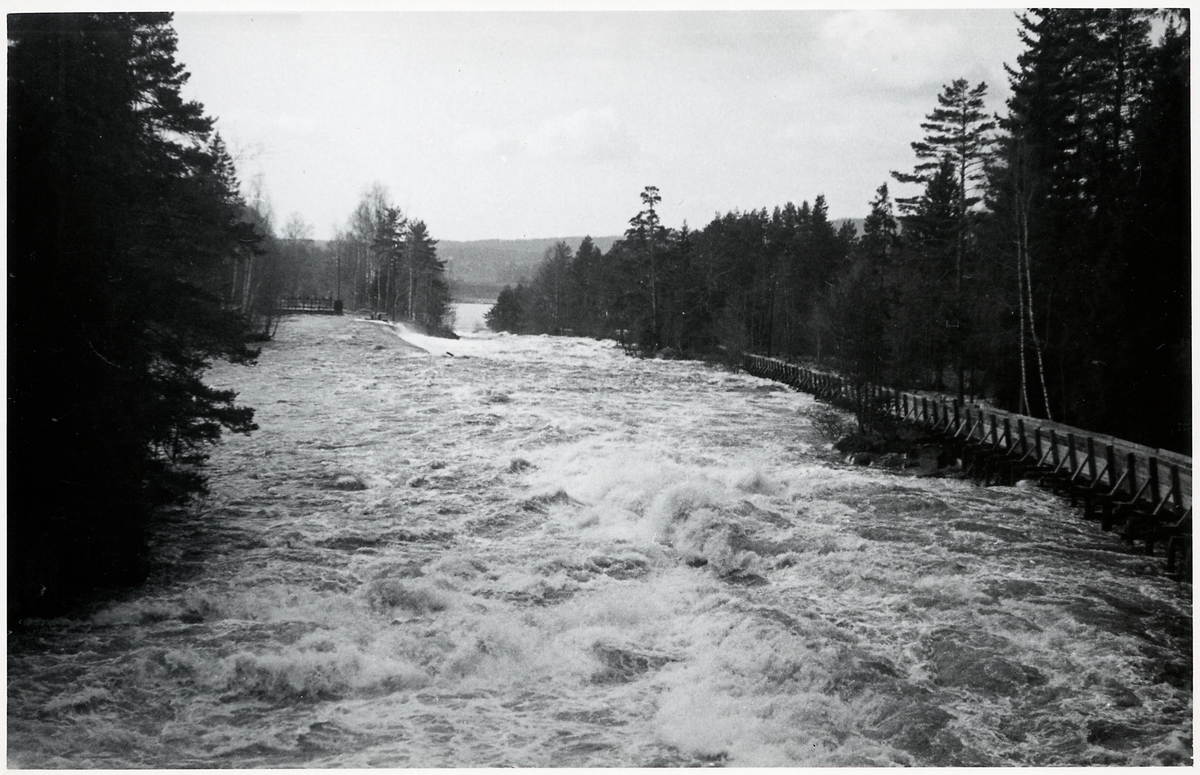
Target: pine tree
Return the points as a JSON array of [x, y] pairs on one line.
[[1092, 119], [645, 230], [548, 296], [960, 134], [123, 213], [508, 311], [861, 308], [588, 299], [682, 304], [924, 281], [388, 245], [1156, 363], [428, 293]]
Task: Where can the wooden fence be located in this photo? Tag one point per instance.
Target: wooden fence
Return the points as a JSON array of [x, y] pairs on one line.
[[308, 305], [1147, 492]]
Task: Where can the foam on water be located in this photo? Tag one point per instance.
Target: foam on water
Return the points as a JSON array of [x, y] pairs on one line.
[[470, 317], [549, 554]]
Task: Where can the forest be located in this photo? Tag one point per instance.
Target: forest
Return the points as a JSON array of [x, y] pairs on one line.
[[381, 262], [1041, 260]]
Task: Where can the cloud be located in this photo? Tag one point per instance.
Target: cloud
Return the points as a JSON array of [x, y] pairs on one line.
[[477, 140], [585, 135], [886, 50]]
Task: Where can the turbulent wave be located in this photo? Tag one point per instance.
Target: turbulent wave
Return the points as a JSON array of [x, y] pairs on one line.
[[531, 551]]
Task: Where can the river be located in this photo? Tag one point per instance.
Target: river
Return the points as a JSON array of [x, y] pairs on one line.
[[534, 551]]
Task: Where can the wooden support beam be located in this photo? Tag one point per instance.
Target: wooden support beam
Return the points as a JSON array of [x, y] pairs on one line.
[[1155, 499], [1125, 476], [1152, 464], [947, 419], [995, 435]]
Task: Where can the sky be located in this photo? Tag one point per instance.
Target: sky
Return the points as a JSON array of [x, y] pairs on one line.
[[512, 125]]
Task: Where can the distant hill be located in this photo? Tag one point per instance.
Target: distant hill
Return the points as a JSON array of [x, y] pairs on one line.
[[857, 222], [480, 269]]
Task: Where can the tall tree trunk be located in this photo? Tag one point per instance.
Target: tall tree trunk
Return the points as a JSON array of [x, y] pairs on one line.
[[1037, 345], [246, 286], [1023, 408]]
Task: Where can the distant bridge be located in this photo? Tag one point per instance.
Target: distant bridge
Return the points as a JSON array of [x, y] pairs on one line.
[[307, 305], [1148, 492]]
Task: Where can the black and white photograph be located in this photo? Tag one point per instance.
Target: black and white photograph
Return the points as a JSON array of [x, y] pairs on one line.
[[637, 386]]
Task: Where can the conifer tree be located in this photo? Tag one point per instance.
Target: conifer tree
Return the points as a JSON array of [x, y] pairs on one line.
[[860, 309], [549, 293], [1095, 160], [123, 213], [588, 298], [388, 245], [508, 311], [645, 229], [960, 134], [922, 281], [428, 294]]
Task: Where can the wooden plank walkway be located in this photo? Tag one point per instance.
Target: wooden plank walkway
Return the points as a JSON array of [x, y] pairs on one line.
[[1146, 492]]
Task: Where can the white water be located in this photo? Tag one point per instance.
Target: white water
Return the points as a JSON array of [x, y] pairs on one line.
[[536, 551], [469, 317]]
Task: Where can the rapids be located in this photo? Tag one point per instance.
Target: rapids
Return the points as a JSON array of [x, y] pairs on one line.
[[531, 551]]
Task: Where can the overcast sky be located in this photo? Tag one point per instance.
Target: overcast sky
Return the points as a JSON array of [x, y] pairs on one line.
[[512, 125]]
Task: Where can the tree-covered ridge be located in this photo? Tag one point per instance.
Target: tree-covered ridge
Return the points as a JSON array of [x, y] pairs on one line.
[[123, 216], [479, 269], [748, 280], [1043, 262]]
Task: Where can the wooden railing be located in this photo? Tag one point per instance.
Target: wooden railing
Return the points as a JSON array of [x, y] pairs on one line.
[[1148, 491], [310, 305]]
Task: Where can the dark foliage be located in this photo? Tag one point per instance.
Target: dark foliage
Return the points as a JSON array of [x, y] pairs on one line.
[[430, 294], [122, 213], [1094, 185], [506, 313]]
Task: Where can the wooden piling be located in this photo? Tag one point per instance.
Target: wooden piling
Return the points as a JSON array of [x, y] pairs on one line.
[[1148, 491]]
